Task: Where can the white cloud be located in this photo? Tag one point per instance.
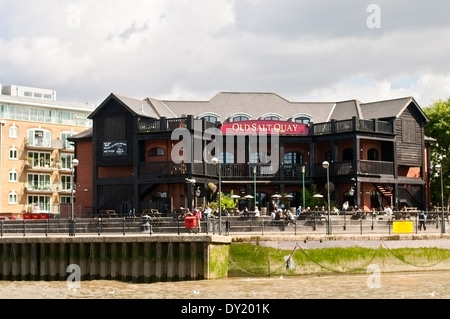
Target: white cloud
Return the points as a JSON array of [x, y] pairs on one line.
[[180, 49]]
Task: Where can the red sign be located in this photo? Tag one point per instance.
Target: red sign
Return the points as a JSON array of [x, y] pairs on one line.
[[265, 127]]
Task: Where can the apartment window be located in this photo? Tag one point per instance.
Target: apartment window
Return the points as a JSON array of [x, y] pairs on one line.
[[13, 153], [13, 132], [66, 161], [38, 181], [39, 137], [12, 175], [39, 159], [43, 202], [66, 182], [12, 198], [66, 144], [65, 199]]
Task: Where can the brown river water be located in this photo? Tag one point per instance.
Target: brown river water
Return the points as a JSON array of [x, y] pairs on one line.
[[408, 285]]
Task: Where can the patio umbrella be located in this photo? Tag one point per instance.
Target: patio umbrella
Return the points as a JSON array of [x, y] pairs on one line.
[[248, 197], [318, 196], [276, 196], [288, 196], [234, 196]]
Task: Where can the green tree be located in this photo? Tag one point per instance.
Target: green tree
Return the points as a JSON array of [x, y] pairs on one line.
[[438, 128]]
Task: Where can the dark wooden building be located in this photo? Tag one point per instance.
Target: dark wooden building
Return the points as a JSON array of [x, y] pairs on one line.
[[157, 153]]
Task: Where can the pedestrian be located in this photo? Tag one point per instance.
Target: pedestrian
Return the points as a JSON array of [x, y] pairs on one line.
[[422, 220], [198, 217], [388, 210], [345, 206]]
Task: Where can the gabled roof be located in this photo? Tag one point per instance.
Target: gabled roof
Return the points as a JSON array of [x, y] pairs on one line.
[[390, 108], [135, 106]]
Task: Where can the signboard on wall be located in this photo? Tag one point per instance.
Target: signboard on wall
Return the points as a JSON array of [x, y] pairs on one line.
[[115, 148], [266, 127]]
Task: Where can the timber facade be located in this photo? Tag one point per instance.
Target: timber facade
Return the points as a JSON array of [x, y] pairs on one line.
[[156, 154]]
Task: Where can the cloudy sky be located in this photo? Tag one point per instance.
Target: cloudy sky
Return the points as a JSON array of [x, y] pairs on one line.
[[303, 50]]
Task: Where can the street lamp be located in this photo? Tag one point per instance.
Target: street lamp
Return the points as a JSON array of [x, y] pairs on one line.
[[326, 165], [303, 183], [254, 187], [197, 195], [439, 170], [216, 161], [72, 219]]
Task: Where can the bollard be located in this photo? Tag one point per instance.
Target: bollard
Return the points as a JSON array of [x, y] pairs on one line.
[[99, 225], [345, 221]]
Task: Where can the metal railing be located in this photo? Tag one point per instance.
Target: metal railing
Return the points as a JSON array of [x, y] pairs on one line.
[[313, 223]]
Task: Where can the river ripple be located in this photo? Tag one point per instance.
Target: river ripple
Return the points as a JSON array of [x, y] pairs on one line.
[[411, 285]]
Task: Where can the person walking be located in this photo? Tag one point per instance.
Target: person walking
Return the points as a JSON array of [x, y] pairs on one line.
[[198, 217], [422, 220]]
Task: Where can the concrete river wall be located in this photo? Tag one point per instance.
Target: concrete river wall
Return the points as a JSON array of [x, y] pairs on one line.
[[133, 258]]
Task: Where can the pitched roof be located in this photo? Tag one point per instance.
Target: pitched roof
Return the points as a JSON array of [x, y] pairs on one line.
[[256, 105]]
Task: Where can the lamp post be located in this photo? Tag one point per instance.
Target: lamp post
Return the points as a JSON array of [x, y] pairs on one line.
[[326, 165], [303, 183], [439, 170], [254, 187], [72, 217], [197, 195], [216, 161]]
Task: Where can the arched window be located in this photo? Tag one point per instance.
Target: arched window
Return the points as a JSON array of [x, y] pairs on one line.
[[13, 153], [373, 154], [13, 175], [13, 132], [347, 154], [156, 151], [302, 119], [12, 198], [239, 118], [272, 117], [210, 118], [259, 157]]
